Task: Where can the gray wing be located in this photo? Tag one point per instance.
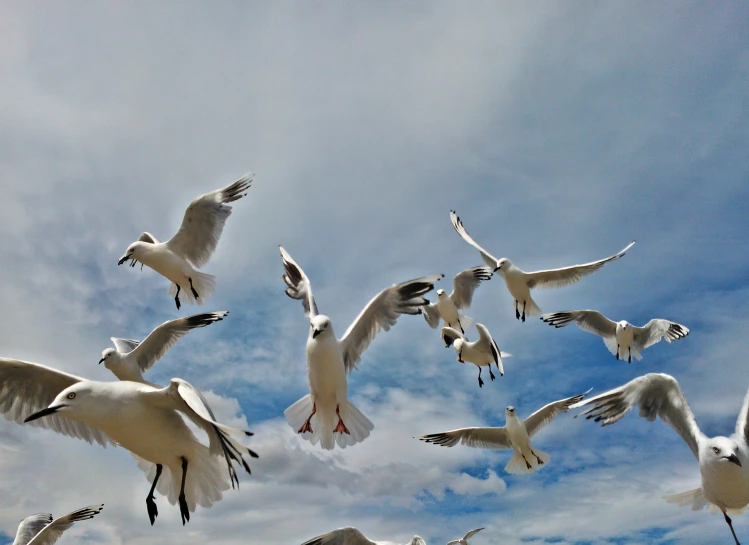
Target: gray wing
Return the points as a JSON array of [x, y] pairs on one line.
[[299, 286], [591, 321], [547, 413], [125, 346], [381, 313], [466, 282], [52, 532], [557, 278], [449, 336], [470, 534], [31, 526], [495, 438], [657, 329], [487, 343], [432, 315], [655, 394], [165, 336], [26, 388], [342, 536], [488, 258], [145, 236], [742, 423], [204, 221]]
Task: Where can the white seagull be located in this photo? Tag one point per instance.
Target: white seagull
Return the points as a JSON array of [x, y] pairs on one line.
[[623, 339], [178, 258], [352, 536], [447, 306], [326, 414], [482, 352], [516, 435], [465, 538], [724, 461], [41, 529], [139, 417], [519, 283]]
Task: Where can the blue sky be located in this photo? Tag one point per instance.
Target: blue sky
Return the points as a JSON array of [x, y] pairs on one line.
[[559, 132]]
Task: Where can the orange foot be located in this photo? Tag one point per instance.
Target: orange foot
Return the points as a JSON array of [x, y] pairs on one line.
[[307, 426], [341, 427]]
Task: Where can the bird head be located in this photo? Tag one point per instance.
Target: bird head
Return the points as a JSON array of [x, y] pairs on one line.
[[73, 400], [509, 411], [320, 326], [624, 324], [132, 252], [108, 356], [721, 450], [502, 265], [441, 294]]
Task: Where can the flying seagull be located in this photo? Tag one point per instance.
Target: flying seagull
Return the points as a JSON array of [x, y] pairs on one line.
[[515, 435], [623, 339], [482, 352], [352, 536], [447, 306], [724, 461], [519, 283], [42, 529], [178, 258], [141, 418], [326, 415], [465, 538]]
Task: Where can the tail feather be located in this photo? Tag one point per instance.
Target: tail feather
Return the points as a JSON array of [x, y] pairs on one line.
[[465, 322], [518, 466], [692, 498], [531, 308], [204, 284], [324, 422]]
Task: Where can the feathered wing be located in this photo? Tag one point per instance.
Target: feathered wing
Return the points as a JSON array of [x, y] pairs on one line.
[[204, 221], [30, 527], [657, 329], [145, 236], [124, 346], [547, 413], [26, 388], [591, 321], [432, 315], [466, 282], [342, 536], [488, 258], [381, 313], [52, 532], [557, 278], [299, 286], [655, 394], [470, 534], [495, 438], [450, 335], [487, 343], [742, 423]]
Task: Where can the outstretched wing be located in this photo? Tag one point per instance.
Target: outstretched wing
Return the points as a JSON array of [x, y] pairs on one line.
[[470, 534], [381, 313], [466, 282], [342, 536], [557, 278], [546, 414], [204, 221], [54, 530], [26, 388], [742, 423], [124, 346], [591, 321], [655, 394], [488, 258], [145, 236], [655, 330], [449, 336], [496, 438], [298, 284], [31, 526]]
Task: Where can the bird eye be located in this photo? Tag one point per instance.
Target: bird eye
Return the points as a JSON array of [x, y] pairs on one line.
[[71, 395], [716, 450]]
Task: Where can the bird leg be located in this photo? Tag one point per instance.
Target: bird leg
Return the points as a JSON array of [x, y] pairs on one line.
[[183, 510], [526, 462], [307, 426], [195, 293], [523, 317], [728, 520], [490, 372], [340, 427], [481, 382], [629, 358], [517, 313], [460, 355], [617, 351], [540, 461], [176, 296], [153, 512]]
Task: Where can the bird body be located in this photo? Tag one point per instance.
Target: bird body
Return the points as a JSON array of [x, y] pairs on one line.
[[482, 352], [465, 538]]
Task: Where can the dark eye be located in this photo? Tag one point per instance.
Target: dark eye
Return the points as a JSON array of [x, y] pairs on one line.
[[716, 450], [71, 395]]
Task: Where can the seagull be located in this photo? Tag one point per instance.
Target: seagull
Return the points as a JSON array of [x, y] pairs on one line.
[[465, 538], [352, 536], [329, 359], [481, 353], [447, 306], [515, 435], [129, 359], [41, 529], [724, 461], [192, 246], [141, 418], [620, 337], [519, 283]]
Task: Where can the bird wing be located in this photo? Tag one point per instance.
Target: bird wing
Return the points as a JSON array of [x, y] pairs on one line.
[[466, 282], [31, 526], [26, 388], [342, 536], [655, 330], [655, 394], [124, 346], [52, 531], [145, 236], [381, 313], [432, 315], [470, 534], [742, 423], [488, 343], [557, 278], [496, 438], [204, 221], [591, 321], [165, 336], [546, 414], [299, 286], [449, 336], [488, 258]]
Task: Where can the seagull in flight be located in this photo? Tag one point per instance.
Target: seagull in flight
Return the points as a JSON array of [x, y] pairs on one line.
[[519, 283], [482, 352], [42, 529], [516, 435], [447, 306], [724, 461], [352, 536], [465, 538], [178, 258], [623, 339], [329, 359]]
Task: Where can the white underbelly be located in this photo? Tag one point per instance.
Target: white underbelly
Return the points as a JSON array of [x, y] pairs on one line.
[[326, 374]]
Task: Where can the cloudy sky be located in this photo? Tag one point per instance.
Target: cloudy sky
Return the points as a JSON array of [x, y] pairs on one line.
[[558, 131]]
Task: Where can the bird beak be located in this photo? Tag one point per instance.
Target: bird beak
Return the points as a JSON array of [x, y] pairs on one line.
[[733, 458], [43, 412], [316, 332], [123, 259], [101, 360]]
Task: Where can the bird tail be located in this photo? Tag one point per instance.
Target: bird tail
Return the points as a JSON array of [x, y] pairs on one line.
[[324, 422], [465, 322], [695, 500], [531, 308], [518, 466], [204, 284]]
